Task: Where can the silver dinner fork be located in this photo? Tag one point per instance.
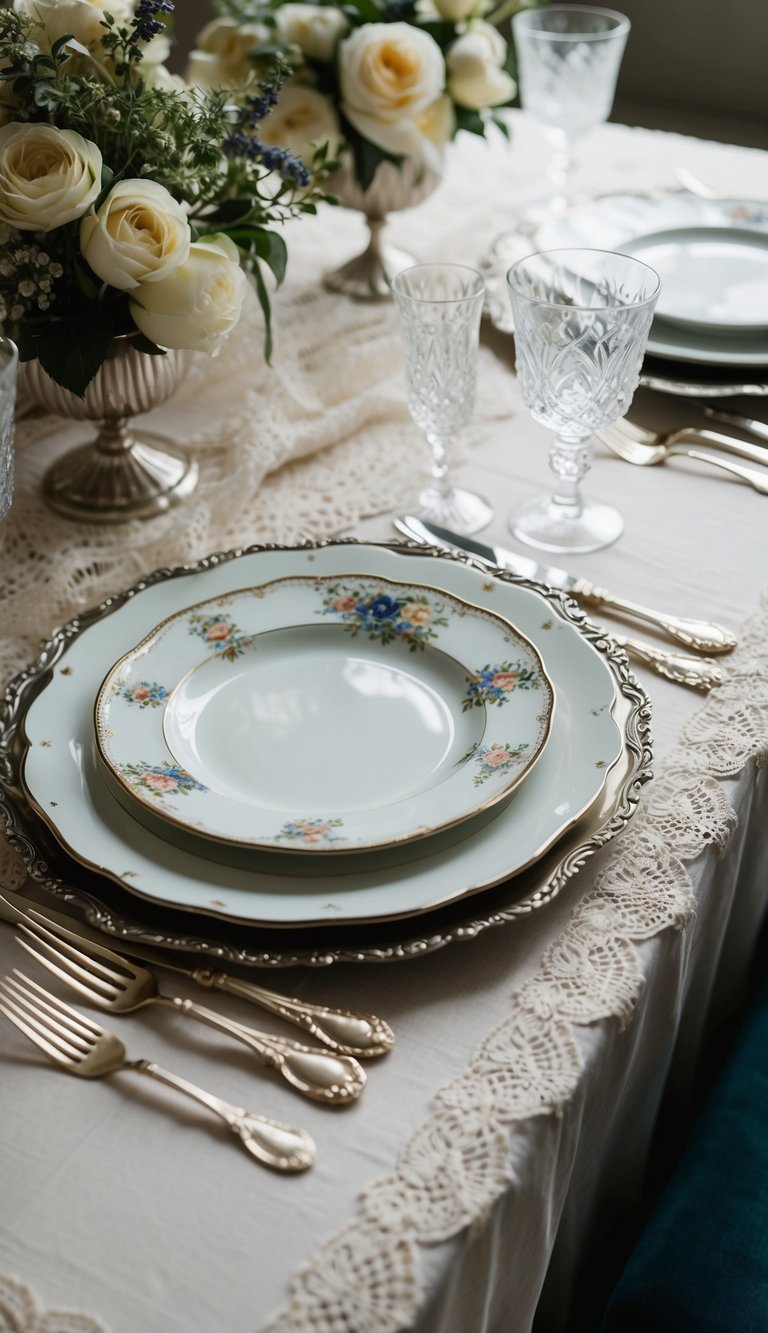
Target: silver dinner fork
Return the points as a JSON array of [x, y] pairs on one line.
[[83, 1048], [110, 982], [654, 449]]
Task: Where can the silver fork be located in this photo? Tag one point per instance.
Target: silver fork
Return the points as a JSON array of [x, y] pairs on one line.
[[83, 1048], [345, 1031], [111, 982], [646, 449]]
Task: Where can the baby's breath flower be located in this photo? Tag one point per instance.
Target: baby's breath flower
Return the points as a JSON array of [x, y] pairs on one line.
[[26, 287], [55, 270], [41, 259]]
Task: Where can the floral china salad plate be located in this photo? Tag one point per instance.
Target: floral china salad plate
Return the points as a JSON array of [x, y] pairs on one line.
[[323, 714]]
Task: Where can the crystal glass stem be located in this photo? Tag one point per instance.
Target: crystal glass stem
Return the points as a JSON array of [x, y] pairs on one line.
[[441, 448], [570, 459]]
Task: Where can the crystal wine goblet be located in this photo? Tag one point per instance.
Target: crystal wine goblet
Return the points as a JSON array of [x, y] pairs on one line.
[[568, 59], [581, 319], [440, 307]]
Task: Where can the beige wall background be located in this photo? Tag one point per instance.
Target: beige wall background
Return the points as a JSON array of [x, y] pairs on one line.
[[698, 66]]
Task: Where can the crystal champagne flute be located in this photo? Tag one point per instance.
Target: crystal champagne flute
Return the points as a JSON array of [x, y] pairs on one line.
[[440, 307], [582, 319]]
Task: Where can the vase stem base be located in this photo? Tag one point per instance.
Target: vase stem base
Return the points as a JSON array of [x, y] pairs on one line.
[[368, 276], [142, 479]]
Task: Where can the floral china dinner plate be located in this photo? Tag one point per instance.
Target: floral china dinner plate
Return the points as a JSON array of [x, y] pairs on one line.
[[324, 714], [613, 222], [64, 786]]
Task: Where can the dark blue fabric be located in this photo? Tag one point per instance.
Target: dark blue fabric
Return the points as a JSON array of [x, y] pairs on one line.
[[701, 1263]]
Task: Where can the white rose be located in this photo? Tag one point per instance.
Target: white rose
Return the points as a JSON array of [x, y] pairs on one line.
[[47, 176], [302, 119], [140, 234], [475, 76], [457, 10], [389, 74], [315, 29], [438, 122], [82, 19], [199, 304], [221, 58]]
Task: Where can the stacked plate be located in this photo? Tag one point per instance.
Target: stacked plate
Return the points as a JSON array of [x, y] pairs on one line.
[[320, 752], [711, 255]]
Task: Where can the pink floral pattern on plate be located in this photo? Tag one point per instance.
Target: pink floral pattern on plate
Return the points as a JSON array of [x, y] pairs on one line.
[[145, 693], [161, 780], [220, 634], [494, 684], [310, 832]]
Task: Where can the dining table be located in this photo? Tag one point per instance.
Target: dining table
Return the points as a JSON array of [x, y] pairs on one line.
[[510, 1132]]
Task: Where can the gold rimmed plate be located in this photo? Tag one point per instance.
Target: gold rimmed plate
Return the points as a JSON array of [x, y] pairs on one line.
[[65, 787], [323, 715]]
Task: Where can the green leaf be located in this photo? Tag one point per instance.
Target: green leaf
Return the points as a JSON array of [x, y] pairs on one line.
[[444, 33], [471, 121], [144, 344], [362, 11], [73, 45], [71, 353], [366, 156], [263, 295], [271, 247]]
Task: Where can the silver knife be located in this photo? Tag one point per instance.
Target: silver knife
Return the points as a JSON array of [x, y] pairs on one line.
[[701, 635]]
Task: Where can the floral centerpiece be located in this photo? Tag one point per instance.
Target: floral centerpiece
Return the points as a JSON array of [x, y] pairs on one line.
[[389, 81], [130, 204], [132, 207]]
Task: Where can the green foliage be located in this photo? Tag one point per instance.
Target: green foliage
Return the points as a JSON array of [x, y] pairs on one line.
[[201, 146]]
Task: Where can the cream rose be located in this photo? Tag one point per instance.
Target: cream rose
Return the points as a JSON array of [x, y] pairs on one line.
[[139, 234], [302, 119], [315, 29], [199, 303], [47, 176], [82, 19], [390, 73], [455, 11], [475, 76], [221, 58]]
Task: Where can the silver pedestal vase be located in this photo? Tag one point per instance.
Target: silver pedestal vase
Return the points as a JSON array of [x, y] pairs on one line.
[[368, 276], [122, 473]]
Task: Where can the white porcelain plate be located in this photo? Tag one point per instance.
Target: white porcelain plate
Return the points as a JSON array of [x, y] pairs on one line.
[[66, 785], [324, 714], [615, 222], [711, 277]]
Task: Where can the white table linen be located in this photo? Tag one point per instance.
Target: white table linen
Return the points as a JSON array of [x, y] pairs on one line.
[[119, 1200]]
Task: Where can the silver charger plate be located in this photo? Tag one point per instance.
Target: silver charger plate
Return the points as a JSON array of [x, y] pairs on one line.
[[118, 914]]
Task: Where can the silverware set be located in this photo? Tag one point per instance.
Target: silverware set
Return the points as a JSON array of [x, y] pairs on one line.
[[328, 1073], [647, 448], [698, 636]]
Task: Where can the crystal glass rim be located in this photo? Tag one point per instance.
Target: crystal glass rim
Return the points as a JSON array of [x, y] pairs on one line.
[[9, 357], [438, 300], [525, 19], [573, 305]]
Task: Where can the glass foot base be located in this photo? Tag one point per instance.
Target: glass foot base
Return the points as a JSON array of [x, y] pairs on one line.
[[554, 527], [461, 511]]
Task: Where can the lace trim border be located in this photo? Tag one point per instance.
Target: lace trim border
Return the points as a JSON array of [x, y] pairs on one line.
[[452, 1170]]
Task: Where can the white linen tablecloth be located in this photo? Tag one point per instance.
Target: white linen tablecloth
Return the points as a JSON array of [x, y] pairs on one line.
[[123, 1203]]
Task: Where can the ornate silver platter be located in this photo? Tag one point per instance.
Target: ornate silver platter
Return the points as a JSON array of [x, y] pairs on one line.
[[119, 914]]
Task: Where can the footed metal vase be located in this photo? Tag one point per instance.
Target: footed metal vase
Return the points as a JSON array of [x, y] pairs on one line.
[[368, 276], [124, 472]]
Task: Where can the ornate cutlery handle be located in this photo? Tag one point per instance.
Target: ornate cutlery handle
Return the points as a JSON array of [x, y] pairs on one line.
[[754, 453], [334, 1079], [276, 1145], [758, 480], [702, 635], [349, 1033], [698, 672]]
